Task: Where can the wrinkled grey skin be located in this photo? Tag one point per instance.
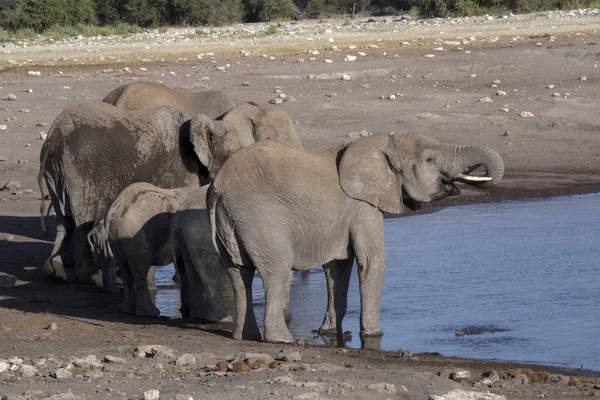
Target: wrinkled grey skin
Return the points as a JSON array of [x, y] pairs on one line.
[[136, 233], [274, 207], [92, 153], [214, 142], [146, 94]]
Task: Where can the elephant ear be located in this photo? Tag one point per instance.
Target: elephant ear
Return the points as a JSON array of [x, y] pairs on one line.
[[366, 174], [201, 127]]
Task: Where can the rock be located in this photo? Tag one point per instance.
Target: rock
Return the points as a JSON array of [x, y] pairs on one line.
[[350, 58], [240, 367], [392, 97], [526, 114], [94, 374], [185, 359], [4, 366], [429, 55], [153, 351], [583, 78], [387, 388], [3, 127], [458, 394], [258, 364], [52, 326], [550, 87], [299, 60], [152, 394], [460, 375], [291, 356], [62, 373], [114, 360], [34, 73], [89, 361], [7, 281], [12, 185], [251, 358], [334, 94], [328, 61], [3, 158], [500, 93], [43, 135], [486, 100], [27, 371], [489, 378], [276, 100], [557, 378], [222, 366], [346, 77], [274, 364], [16, 361], [11, 97], [245, 83]]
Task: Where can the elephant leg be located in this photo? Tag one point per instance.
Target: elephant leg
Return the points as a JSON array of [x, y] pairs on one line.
[[184, 287], [144, 304], [337, 275], [371, 272], [128, 287], [287, 313], [245, 326], [277, 286], [85, 265], [150, 283], [109, 276], [53, 267]]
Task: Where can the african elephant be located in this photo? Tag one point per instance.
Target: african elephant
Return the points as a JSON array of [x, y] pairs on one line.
[[214, 142], [146, 94], [274, 207], [137, 230], [93, 151]]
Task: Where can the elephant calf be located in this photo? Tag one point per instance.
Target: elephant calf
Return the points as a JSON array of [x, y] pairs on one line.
[[136, 232]]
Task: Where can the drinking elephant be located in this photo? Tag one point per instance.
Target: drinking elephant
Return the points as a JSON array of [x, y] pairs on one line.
[[147, 94], [274, 207]]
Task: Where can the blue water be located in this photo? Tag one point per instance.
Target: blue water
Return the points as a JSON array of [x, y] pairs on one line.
[[529, 268]]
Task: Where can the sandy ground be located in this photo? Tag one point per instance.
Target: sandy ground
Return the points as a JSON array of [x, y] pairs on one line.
[[470, 92]]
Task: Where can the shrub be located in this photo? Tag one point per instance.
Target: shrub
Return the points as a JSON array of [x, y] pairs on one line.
[[42, 14], [205, 12], [269, 10]]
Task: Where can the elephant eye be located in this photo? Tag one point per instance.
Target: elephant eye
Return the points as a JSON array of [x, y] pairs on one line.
[[430, 160]]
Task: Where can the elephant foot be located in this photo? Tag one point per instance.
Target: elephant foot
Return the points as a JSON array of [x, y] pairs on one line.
[[371, 342], [374, 333], [185, 312], [247, 334], [54, 270], [278, 336], [329, 332], [147, 312], [127, 309]]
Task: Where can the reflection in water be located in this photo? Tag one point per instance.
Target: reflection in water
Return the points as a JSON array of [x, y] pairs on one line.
[[529, 269]]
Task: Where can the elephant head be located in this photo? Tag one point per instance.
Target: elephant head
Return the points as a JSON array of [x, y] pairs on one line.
[[215, 141], [378, 169]]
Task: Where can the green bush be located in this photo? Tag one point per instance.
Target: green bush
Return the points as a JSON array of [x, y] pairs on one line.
[[205, 12], [269, 10], [42, 14]]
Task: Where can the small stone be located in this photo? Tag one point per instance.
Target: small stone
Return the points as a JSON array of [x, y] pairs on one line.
[[486, 100], [11, 97], [4, 366], [34, 73], [62, 373], [7, 281], [3, 127], [496, 81], [43, 136], [490, 378], [12, 185], [526, 114], [152, 394], [583, 78], [460, 375], [24, 110], [473, 75], [299, 60], [274, 364], [328, 61], [334, 94], [350, 58], [505, 109], [258, 364], [429, 55], [240, 367], [458, 394], [346, 77], [94, 374], [403, 353], [245, 83], [555, 94], [290, 356], [153, 351], [387, 388], [557, 378], [550, 87], [52, 326], [66, 87], [500, 93], [276, 100], [222, 366], [27, 371], [185, 359], [114, 360], [392, 97]]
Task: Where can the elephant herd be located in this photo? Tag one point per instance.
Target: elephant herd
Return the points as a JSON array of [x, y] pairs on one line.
[[153, 175]]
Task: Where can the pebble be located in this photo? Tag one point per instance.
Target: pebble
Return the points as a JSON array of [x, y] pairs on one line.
[[346, 77], [222, 366], [185, 359], [550, 87], [3, 127], [245, 83], [240, 367], [27, 371], [500, 93], [328, 61], [153, 351], [555, 94], [583, 78], [34, 73], [429, 55], [114, 360], [52, 327], [526, 114], [299, 60], [276, 100], [43, 136], [12, 185], [152, 394], [350, 58], [486, 100], [460, 375], [62, 373], [291, 356], [4, 366]]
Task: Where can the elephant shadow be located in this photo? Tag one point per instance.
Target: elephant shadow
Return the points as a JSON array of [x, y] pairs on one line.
[[23, 249]]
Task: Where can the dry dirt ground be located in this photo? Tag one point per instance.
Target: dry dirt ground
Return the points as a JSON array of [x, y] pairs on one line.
[[470, 92]]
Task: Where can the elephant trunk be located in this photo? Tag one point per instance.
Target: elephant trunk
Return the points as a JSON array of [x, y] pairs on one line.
[[464, 159]]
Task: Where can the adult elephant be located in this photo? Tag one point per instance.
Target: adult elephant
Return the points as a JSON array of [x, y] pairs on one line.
[[274, 207], [147, 94], [93, 151]]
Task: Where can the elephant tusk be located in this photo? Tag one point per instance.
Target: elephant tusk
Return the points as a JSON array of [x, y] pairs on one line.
[[469, 178]]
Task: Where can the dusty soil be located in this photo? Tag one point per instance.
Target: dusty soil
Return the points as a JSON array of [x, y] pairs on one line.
[[555, 152]]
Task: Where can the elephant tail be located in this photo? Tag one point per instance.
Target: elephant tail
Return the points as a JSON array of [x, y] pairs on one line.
[[40, 178]]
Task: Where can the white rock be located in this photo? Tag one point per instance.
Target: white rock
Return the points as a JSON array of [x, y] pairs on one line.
[[550, 87], [438, 49], [328, 61], [185, 359], [62, 373], [3, 127], [4, 366], [526, 114], [387, 388], [500, 93], [505, 109], [27, 371], [153, 351], [460, 375], [458, 394], [555, 94], [182, 397], [583, 78], [34, 73], [152, 394], [486, 100], [392, 97], [11, 97], [350, 58], [331, 40], [346, 77], [429, 55], [43, 135], [362, 54], [473, 75]]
